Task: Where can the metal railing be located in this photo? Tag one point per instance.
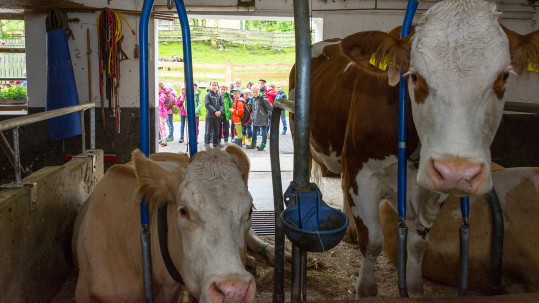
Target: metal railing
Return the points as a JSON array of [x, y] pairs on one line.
[[15, 123]]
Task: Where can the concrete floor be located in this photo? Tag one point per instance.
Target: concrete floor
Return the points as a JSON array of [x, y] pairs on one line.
[[260, 183]]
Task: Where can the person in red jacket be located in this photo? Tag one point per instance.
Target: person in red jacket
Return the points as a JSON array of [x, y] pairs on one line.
[[270, 95], [237, 110]]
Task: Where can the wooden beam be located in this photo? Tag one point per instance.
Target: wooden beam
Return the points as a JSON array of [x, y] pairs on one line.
[[19, 50]]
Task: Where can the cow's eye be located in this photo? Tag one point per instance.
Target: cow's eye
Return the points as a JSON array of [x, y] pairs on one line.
[[184, 211], [414, 77], [505, 76]]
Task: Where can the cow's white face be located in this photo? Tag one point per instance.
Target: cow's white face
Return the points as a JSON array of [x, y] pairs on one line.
[[458, 66], [213, 216]]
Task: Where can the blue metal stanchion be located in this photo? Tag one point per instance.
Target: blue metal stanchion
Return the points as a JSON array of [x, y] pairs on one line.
[[188, 75], [144, 144], [401, 191]]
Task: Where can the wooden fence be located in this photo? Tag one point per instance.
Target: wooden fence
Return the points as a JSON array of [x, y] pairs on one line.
[[12, 65], [233, 36], [12, 60], [173, 72]]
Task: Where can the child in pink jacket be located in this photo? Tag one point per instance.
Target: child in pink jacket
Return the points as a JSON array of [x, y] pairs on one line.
[[165, 98]]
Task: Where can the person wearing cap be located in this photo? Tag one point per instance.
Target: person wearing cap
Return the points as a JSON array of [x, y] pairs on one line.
[[261, 85], [214, 107], [261, 110], [237, 110], [226, 127], [281, 95]]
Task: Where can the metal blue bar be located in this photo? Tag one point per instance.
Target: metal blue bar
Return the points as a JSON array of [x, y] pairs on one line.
[[145, 145], [465, 207], [401, 154], [188, 76], [406, 27]]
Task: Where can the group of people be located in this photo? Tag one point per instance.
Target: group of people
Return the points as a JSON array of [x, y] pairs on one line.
[[226, 106], [168, 97]]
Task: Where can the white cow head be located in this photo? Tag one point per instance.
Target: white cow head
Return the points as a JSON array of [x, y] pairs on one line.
[[459, 61], [210, 217]]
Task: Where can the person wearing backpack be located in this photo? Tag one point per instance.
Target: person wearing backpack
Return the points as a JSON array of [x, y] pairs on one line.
[[181, 103], [198, 108], [238, 110], [261, 110], [247, 131], [173, 96]]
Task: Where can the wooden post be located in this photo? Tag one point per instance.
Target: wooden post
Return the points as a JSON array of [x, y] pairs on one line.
[[228, 72]]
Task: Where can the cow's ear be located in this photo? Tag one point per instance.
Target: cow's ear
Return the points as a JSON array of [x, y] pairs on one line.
[[241, 160], [154, 183], [524, 49], [386, 47]]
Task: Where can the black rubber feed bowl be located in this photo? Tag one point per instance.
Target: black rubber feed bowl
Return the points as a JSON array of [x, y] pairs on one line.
[[332, 225]]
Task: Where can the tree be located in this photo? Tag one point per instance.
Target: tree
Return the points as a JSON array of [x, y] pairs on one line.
[[269, 26]]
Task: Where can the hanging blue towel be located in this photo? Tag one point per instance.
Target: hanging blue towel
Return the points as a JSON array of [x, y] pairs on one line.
[[61, 87]]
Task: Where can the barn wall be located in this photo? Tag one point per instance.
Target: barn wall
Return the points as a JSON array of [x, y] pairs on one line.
[[36, 244], [338, 19]]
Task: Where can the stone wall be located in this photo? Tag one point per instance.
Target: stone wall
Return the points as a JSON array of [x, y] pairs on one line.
[[36, 237]]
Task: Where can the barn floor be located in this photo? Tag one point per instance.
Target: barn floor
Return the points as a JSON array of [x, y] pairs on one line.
[[331, 276]]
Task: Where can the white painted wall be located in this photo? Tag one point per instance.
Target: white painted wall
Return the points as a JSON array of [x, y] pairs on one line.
[[129, 83], [338, 19]]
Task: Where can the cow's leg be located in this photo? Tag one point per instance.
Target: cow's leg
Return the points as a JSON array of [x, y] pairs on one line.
[[351, 234], [254, 243], [423, 207], [364, 199], [416, 246]]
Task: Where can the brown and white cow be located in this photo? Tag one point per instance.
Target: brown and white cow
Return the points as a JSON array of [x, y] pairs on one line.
[[518, 191], [209, 216], [457, 62]]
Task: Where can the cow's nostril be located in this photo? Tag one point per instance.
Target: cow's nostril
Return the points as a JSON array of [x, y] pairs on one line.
[[232, 290], [456, 175], [215, 294]]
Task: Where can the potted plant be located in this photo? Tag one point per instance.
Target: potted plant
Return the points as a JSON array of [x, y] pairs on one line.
[[13, 92]]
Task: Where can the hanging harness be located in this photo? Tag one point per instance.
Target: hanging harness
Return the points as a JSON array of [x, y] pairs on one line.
[[110, 37]]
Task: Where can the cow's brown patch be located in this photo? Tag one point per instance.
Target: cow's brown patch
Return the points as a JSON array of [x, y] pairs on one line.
[[499, 85], [421, 88]]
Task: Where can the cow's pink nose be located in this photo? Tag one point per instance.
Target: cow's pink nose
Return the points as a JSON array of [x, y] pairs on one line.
[[456, 175], [232, 290]]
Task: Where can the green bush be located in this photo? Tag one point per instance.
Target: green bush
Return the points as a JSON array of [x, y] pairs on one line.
[[14, 90]]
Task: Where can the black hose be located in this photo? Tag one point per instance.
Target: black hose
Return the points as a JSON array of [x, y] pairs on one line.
[[278, 267], [464, 233], [402, 234], [495, 270]]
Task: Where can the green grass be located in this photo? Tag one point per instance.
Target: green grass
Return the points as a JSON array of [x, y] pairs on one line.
[[202, 52]]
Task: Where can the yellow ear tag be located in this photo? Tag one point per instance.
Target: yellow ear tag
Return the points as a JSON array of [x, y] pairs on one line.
[[533, 67], [382, 65]]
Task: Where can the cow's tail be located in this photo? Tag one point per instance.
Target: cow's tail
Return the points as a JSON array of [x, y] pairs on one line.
[[316, 173]]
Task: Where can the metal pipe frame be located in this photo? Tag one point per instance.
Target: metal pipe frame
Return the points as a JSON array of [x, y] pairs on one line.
[[302, 130], [29, 119], [144, 145], [278, 208], [402, 171], [15, 123]]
